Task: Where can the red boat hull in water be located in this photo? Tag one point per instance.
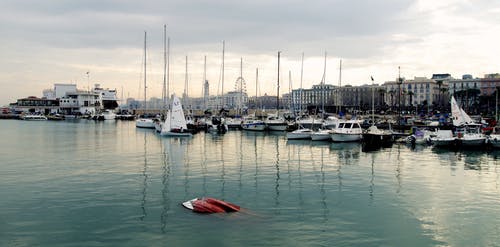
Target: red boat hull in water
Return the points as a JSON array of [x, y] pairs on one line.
[[209, 205]]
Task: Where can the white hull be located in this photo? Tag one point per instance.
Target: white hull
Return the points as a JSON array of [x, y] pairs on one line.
[[176, 134], [254, 127], [34, 118], [473, 141], [345, 137], [299, 134], [321, 135], [277, 127], [145, 123], [442, 142], [494, 140]]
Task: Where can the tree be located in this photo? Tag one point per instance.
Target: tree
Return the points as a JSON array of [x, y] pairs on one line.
[[439, 83]]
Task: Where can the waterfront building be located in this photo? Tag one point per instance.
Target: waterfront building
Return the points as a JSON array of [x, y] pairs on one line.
[[80, 102], [419, 91], [34, 104], [316, 96]]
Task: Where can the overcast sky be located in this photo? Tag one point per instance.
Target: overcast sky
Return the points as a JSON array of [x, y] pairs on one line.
[[47, 42]]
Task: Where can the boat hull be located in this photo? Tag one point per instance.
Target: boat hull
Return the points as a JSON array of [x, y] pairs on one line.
[[344, 137], [145, 123], [377, 140]]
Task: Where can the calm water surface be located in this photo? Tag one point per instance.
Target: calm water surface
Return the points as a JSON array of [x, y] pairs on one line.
[[85, 183]]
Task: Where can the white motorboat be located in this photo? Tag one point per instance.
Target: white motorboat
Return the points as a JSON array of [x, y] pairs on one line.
[[494, 140], [331, 123], [107, 115], [310, 122], [347, 131], [34, 117], [443, 138], [147, 123], [275, 123], [321, 135], [299, 134], [253, 124]]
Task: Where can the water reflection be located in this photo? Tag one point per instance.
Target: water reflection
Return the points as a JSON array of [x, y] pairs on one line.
[[165, 192], [145, 180]]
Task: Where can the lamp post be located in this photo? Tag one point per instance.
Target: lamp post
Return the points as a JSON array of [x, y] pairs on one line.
[[400, 81]]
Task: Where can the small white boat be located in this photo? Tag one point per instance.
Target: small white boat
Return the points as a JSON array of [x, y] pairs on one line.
[[347, 131], [299, 134], [494, 140], [34, 117], [321, 135], [253, 124], [275, 123], [175, 122], [146, 123], [471, 136], [107, 115], [310, 122], [443, 138]]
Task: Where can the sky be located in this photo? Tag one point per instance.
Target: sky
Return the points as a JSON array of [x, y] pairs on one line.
[[59, 41]]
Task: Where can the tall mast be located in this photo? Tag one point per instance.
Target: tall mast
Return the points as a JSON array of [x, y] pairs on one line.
[[204, 83], [323, 89], [278, 94], [339, 95], [168, 72], [373, 103], [301, 77], [186, 84], [164, 91], [222, 89], [256, 89], [290, 89], [240, 103], [145, 58]]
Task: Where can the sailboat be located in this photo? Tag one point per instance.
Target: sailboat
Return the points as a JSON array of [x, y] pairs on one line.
[[145, 122], [175, 121], [374, 137], [468, 132], [273, 121], [322, 134]]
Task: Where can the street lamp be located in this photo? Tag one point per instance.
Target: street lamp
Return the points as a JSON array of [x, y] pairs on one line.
[[400, 81]]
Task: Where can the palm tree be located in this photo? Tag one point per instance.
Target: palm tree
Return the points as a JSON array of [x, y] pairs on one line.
[[442, 91], [392, 92], [381, 92], [411, 93], [439, 83]]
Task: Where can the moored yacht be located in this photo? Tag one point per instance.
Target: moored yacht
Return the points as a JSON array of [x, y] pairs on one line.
[[275, 123], [347, 131]]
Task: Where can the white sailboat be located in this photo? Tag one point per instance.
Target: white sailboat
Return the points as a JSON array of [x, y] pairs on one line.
[[145, 122], [175, 121], [468, 132]]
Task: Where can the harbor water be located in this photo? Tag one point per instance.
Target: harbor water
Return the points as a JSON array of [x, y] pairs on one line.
[[86, 183]]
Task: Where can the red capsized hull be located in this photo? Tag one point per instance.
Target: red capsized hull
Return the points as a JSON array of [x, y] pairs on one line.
[[211, 205], [227, 206]]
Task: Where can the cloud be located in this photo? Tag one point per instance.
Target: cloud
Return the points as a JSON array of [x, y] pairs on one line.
[[50, 41]]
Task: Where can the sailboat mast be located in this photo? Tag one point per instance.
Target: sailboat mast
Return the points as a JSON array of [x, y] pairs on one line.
[[222, 88], [164, 91], [204, 82], [186, 84], [240, 103], [256, 88], [278, 94], [373, 103], [339, 95], [323, 89], [290, 89], [145, 58], [301, 77], [168, 72]]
